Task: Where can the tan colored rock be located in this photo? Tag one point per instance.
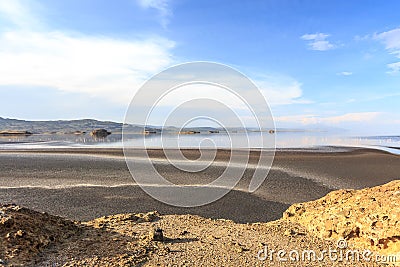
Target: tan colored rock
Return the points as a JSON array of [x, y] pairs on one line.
[[368, 218]]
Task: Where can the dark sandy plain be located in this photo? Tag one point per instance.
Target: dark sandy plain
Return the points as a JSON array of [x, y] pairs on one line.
[[83, 184]]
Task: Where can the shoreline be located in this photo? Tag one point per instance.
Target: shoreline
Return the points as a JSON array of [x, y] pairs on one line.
[[118, 151], [62, 146]]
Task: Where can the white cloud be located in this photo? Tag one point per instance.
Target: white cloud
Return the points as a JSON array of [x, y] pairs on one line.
[[345, 73], [391, 40], [395, 67], [314, 119], [317, 41], [161, 6], [17, 12], [98, 66], [276, 94], [280, 90], [277, 90]]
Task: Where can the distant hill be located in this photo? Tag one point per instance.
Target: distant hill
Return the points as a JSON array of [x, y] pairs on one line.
[[87, 125], [60, 126], [84, 125]]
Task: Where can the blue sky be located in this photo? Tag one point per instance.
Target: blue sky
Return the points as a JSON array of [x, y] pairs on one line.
[[333, 63]]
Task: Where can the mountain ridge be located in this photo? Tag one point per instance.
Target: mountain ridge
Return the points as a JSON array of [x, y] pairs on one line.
[[87, 125]]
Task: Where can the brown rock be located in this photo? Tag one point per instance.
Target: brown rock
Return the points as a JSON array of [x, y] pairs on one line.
[[14, 133], [28, 233], [100, 133], [20, 233], [156, 235]]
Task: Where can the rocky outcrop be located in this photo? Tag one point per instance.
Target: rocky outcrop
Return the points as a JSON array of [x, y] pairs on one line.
[[189, 132], [25, 233], [115, 220], [30, 238], [368, 218], [149, 132], [100, 133], [14, 133]]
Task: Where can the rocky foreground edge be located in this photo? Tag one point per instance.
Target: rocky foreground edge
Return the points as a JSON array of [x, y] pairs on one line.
[[368, 218], [364, 219]]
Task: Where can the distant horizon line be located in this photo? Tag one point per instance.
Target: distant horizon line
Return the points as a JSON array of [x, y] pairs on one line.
[[155, 125]]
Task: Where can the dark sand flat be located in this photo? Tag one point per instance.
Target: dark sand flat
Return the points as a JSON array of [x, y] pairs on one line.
[[83, 184]]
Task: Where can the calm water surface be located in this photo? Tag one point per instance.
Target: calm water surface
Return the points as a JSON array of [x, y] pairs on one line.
[[236, 140]]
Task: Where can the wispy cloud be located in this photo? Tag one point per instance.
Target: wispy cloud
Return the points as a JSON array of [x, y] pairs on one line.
[[281, 90], [99, 66], [318, 41], [162, 6], [391, 40], [345, 73], [314, 119], [277, 90], [17, 12], [394, 67]]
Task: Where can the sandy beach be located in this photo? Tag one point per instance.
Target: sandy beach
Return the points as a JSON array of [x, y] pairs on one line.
[[83, 184]]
